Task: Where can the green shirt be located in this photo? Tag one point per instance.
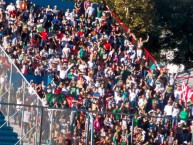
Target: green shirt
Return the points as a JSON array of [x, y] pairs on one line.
[[73, 61], [117, 116], [99, 14], [49, 98], [82, 53], [40, 29], [136, 122], [124, 95], [183, 115], [125, 74], [73, 90], [115, 141], [70, 75]]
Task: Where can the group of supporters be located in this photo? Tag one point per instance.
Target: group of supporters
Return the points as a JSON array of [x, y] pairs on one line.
[[95, 66]]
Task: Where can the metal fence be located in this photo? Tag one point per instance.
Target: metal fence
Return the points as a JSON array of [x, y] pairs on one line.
[[54, 125], [42, 125], [14, 88]]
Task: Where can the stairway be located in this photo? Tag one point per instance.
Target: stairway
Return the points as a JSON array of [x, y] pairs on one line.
[[7, 135]]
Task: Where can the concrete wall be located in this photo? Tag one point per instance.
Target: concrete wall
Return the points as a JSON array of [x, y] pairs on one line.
[[62, 4]]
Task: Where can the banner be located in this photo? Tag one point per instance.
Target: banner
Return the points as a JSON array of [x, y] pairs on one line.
[[187, 93]]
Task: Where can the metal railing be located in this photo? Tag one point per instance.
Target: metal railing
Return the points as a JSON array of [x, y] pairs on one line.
[[54, 128], [14, 88]]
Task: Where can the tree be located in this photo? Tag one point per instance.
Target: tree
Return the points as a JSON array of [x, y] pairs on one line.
[[176, 27], [169, 24]]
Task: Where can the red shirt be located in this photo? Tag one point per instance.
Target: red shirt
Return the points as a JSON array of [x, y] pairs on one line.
[[65, 60], [44, 35], [107, 46], [80, 33], [69, 100], [58, 91], [60, 35]]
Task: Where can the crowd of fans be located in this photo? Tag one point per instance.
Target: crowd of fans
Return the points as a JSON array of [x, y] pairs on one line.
[[96, 66]]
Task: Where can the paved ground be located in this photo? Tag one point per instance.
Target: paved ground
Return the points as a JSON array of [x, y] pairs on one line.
[[185, 74]]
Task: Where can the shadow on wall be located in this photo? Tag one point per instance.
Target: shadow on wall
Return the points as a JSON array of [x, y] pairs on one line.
[[62, 4]]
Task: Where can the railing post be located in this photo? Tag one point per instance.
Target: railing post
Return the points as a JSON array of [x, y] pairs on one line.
[[92, 129], [72, 119], [87, 128], [51, 121], [9, 95], [41, 124], [37, 115], [22, 123], [132, 130]]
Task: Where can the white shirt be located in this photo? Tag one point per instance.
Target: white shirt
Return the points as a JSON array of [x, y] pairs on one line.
[[88, 79], [101, 91], [63, 73], [132, 96], [90, 10], [10, 8], [142, 102], [178, 94], [117, 99], [68, 15], [30, 90], [2, 79], [27, 115], [175, 112], [124, 123], [90, 64], [82, 67], [116, 93], [18, 102], [168, 109], [66, 50], [132, 53]]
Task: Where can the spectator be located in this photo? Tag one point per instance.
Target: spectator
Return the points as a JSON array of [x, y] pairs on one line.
[[94, 66]]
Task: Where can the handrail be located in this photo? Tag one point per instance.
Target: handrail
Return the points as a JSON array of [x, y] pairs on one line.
[[19, 72], [88, 111], [11, 117], [25, 135], [149, 55], [184, 77], [4, 93]]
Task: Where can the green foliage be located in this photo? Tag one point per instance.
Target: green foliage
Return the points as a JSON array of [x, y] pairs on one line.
[[176, 20], [168, 22], [137, 15]]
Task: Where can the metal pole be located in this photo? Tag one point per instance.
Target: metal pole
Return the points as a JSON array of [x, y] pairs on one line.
[[132, 130], [87, 128], [41, 124], [1, 99], [51, 121], [37, 115], [72, 119], [92, 128], [22, 123], [9, 95], [10, 118]]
